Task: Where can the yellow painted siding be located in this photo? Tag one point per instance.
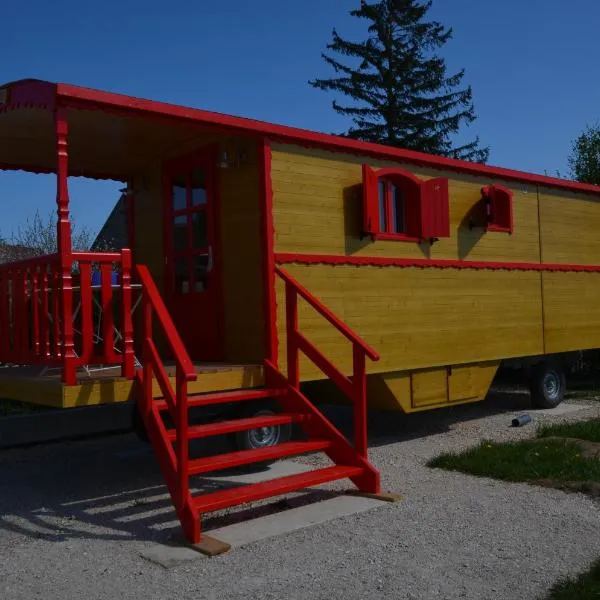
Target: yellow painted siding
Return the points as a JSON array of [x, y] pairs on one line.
[[419, 318], [242, 260], [417, 390], [571, 311], [318, 208], [570, 224]]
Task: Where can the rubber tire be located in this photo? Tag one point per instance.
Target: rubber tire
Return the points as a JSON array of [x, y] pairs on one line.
[[242, 439], [137, 424], [539, 393]]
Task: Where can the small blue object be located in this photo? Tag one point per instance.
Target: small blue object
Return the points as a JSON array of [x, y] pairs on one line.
[[521, 420], [97, 278]]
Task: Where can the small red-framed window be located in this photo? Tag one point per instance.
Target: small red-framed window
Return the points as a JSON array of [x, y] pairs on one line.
[[399, 206], [498, 208]]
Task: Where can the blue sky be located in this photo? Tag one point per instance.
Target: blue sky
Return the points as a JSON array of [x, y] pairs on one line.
[[531, 65]]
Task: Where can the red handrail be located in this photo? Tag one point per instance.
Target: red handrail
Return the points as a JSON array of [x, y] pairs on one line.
[[152, 296], [354, 387], [327, 314], [177, 400]]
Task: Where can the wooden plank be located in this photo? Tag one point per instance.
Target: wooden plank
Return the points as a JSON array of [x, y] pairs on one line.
[[309, 182], [418, 318]]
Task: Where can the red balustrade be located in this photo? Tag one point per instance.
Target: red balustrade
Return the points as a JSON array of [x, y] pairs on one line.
[[36, 299]]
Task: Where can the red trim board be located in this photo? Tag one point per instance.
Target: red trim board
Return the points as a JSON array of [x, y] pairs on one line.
[[425, 263], [40, 93]]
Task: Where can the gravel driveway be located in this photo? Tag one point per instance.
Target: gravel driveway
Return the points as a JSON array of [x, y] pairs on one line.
[[75, 516]]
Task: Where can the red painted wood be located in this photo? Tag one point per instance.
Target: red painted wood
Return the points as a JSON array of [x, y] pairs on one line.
[[424, 263], [225, 397], [57, 337], [268, 256], [435, 209], [5, 325], [44, 315], [370, 194], [87, 325], [84, 97], [197, 311], [327, 314], [126, 316], [153, 297], [182, 448], [359, 382], [69, 375], [162, 378], [291, 317], [341, 452], [148, 364], [35, 312], [108, 320], [246, 457], [325, 365], [235, 425], [274, 487]]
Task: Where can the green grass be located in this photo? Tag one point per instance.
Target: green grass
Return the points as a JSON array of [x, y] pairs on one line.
[[585, 587], [523, 461], [586, 430]]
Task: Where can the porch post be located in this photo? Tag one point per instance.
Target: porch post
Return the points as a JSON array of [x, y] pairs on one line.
[[63, 238]]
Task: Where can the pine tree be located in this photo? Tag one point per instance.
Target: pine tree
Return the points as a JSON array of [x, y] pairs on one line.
[[402, 93]]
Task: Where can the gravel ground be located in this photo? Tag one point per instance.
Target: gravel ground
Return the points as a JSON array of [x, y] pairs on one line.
[[75, 516]]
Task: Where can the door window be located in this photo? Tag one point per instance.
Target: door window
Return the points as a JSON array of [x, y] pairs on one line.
[[190, 234]]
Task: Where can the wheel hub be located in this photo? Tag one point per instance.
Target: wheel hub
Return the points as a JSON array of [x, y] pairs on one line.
[[551, 385], [263, 437]]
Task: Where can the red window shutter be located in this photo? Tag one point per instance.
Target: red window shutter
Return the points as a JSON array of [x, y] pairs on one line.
[[499, 201], [370, 201], [435, 209]]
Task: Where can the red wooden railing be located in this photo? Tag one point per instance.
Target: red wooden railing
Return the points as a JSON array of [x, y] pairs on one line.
[[174, 461], [30, 311], [355, 387], [37, 299]]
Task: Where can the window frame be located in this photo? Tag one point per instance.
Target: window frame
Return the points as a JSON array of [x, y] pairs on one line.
[[493, 195], [409, 185]]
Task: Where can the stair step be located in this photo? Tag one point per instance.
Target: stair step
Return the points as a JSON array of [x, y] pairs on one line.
[[246, 457], [222, 427], [225, 397], [274, 487]]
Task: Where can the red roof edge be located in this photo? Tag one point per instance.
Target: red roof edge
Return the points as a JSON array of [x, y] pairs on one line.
[[99, 99]]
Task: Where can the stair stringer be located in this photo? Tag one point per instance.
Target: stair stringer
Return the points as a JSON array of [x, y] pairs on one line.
[[163, 449], [341, 452]]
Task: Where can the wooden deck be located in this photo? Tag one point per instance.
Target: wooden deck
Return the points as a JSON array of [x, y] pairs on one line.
[[34, 385]]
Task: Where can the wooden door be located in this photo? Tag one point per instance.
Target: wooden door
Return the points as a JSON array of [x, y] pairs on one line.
[[192, 277]]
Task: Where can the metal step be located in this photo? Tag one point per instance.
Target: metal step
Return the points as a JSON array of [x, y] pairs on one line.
[[246, 457], [234, 425], [274, 487]]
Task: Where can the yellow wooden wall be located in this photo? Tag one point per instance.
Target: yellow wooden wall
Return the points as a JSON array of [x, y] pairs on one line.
[[417, 318], [240, 233], [421, 318], [317, 210]]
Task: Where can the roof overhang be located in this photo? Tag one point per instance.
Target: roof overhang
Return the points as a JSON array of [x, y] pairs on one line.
[[113, 135]]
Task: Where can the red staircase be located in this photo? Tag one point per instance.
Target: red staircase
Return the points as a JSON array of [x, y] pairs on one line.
[[172, 445]]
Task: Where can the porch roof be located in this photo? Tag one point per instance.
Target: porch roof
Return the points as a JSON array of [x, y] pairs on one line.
[[113, 135]]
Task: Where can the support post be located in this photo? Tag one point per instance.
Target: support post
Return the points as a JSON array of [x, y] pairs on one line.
[[128, 353], [359, 381], [293, 357], [69, 376]]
